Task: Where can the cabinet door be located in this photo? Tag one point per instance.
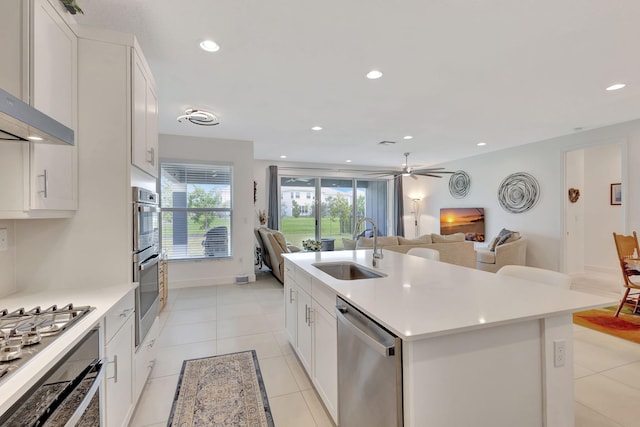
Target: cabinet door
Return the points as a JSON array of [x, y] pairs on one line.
[[325, 357], [54, 64], [119, 391], [145, 359], [304, 328], [53, 177], [144, 144], [290, 310]]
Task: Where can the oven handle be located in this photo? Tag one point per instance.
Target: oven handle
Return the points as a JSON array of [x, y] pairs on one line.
[[92, 391], [149, 262], [148, 208]]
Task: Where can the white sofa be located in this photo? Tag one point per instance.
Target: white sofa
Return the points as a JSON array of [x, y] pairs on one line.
[[453, 248]]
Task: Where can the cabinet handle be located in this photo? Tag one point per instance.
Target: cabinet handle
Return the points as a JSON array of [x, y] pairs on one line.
[[151, 156], [115, 369], [309, 315], [151, 364], [125, 312], [306, 314], [290, 295], [151, 343], [45, 175]]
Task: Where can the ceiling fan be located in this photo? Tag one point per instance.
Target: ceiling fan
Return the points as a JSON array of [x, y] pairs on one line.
[[414, 172]]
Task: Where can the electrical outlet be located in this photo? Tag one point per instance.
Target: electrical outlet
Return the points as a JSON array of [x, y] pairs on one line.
[[4, 239], [559, 353]]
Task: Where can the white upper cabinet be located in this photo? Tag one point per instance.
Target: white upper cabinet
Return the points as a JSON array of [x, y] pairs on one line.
[[40, 67], [144, 149]]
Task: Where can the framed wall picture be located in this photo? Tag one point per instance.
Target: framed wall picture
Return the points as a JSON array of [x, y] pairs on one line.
[[616, 194]]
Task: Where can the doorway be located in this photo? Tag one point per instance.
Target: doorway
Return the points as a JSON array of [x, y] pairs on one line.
[[590, 220]]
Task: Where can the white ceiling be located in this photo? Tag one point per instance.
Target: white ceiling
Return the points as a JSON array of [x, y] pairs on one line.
[[456, 72]]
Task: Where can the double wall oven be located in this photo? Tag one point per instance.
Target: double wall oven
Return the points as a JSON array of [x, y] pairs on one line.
[[146, 255]]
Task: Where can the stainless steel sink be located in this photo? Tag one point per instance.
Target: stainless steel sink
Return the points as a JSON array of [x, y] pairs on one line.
[[347, 271]]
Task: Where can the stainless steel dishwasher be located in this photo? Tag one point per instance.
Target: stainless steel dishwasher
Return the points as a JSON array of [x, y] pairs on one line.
[[369, 371]]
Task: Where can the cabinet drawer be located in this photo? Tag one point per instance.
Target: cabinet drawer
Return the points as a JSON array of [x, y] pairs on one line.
[[118, 315], [145, 359], [303, 279], [324, 296], [289, 270]]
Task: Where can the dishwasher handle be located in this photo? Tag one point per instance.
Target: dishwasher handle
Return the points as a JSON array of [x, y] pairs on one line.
[[360, 330]]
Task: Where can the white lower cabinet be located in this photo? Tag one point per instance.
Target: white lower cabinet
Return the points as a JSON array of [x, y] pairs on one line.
[[291, 310], [119, 339], [304, 329], [145, 359], [311, 327], [325, 357]]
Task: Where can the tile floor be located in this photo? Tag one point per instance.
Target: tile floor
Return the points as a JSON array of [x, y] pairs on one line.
[[224, 319]]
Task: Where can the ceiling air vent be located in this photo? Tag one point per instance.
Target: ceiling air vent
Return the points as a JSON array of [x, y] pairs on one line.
[[386, 142]]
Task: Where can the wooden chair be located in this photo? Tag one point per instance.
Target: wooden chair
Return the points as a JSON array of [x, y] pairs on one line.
[[627, 247], [427, 253], [540, 275]]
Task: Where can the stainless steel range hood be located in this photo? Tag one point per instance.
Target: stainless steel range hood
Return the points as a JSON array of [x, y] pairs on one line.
[[21, 122]]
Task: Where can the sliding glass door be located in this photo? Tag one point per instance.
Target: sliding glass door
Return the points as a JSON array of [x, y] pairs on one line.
[[327, 208]]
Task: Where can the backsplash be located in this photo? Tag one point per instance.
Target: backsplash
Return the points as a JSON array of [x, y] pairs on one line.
[[8, 260]]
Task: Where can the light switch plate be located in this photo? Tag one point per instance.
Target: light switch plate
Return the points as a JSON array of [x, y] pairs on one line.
[[4, 243]]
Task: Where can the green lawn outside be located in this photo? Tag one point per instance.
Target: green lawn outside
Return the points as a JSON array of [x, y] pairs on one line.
[[298, 229]]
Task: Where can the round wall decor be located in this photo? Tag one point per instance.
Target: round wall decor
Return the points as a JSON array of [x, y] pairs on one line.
[[518, 193], [459, 184]]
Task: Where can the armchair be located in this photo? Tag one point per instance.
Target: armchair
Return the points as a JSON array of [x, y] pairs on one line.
[[511, 253], [273, 245]]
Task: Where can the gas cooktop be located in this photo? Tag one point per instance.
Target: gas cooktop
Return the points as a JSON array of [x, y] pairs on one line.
[[24, 333]]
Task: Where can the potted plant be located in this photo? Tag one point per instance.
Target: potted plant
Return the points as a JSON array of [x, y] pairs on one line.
[[71, 6]]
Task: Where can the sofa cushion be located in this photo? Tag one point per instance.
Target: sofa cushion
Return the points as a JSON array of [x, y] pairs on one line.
[[505, 236], [488, 257], [367, 242], [457, 237], [348, 244], [422, 240]]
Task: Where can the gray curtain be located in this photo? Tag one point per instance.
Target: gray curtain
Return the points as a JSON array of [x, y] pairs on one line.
[[273, 208], [398, 205]]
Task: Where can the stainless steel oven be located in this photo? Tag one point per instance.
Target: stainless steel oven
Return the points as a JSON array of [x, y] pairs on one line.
[[146, 255], [68, 395]]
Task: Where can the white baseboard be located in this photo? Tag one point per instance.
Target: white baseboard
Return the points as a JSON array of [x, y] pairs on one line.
[[208, 281]]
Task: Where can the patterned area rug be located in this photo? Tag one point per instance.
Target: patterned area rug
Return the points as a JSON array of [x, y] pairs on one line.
[[626, 325], [219, 391]]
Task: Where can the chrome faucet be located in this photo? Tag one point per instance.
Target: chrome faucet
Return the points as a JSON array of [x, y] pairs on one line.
[[376, 255]]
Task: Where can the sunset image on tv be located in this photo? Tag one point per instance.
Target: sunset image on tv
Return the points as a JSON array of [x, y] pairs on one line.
[[469, 221]]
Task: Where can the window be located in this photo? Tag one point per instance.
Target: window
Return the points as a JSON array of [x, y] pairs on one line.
[[335, 214], [196, 202]]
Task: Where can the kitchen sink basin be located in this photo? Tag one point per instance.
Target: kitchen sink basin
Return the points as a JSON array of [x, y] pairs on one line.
[[347, 271]]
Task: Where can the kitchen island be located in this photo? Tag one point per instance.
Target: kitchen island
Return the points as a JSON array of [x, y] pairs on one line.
[[478, 348]]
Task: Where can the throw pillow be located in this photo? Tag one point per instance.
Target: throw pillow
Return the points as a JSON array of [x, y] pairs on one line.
[[449, 238], [503, 235], [349, 244], [492, 245]]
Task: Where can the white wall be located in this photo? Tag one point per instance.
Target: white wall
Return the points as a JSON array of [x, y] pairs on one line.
[[542, 225], [8, 261], [574, 219], [240, 154]]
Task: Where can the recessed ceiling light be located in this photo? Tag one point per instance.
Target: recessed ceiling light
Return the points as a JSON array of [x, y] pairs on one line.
[[316, 128], [374, 74], [407, 137], [616, 86], [481, 144], [34, 138], [348, 161], [283, 157], [209, 46]]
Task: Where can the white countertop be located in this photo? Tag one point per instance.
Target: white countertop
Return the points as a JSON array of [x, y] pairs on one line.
[[102, 299], [420, 298]]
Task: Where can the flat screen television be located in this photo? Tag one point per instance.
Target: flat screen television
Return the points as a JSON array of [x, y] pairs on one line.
[[469, 221]]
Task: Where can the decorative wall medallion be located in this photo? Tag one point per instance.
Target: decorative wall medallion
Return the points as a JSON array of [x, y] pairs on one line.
[[459, 184], [574, 195], [518, 193]]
